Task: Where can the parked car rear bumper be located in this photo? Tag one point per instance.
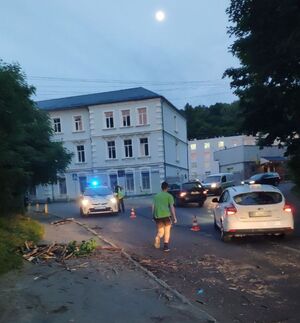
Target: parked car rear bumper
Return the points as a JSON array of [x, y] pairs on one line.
[[243, 232]]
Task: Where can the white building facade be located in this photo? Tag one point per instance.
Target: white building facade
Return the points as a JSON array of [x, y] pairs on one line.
[[134, 138], [201, 153]]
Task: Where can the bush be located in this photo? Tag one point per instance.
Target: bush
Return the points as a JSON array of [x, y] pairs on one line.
[[14, 231]]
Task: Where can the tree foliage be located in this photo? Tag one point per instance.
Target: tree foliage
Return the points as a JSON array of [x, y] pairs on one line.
[[267, 34], [27, 155], [220, 119]]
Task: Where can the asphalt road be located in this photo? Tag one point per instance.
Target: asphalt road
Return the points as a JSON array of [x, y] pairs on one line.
[[252, 279]]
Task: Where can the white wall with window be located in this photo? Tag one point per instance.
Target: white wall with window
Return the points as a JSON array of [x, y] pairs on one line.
[[126, 118], [78, 123], [142, 116], [56, 123], [109, 121], [111, 149], [136, 144], [144, 147], [202, 152]]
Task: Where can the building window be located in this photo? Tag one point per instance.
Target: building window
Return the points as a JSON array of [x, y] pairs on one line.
[[56, 125], [80, 154], [193, 146], [109, 119], [221, 144], [78, 123], [128, 148], [144, 147], [142, 116], [62, 186], [126, 118], [111, 147], [129, 182], [206, 145], [145, 180]]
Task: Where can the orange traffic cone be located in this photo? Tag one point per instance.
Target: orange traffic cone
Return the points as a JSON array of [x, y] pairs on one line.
[[132, 214], [195, 225]]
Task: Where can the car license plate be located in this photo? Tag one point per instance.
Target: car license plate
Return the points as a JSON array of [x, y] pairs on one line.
[[260, 214], [195, 193]]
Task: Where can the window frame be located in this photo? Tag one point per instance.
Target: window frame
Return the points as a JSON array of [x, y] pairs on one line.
[[80, 123], [144, 170], [111, 151], [55, 125], [126, 120], [107, 120], [128, 149], [142, 147], [138, 123], [80, 154]]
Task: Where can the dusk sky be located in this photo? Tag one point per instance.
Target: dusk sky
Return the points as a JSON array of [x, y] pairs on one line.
[[69, 48]]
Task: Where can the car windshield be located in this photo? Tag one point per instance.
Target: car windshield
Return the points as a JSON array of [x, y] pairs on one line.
[[258, 198], [97, 191], [189, 186], [256, 176], [212, 179]]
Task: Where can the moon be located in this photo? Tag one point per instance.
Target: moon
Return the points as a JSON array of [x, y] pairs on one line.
[[160, 16]]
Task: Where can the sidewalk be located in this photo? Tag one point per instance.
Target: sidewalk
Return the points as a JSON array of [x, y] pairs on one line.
[[105, 287]]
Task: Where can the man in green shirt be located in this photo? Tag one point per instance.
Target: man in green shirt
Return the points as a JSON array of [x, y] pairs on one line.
[[162, 211]]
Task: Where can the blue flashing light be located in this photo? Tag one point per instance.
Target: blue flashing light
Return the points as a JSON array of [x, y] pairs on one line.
[[95, 183]]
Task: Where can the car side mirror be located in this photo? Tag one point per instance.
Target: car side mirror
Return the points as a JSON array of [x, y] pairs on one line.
[[215, 200]]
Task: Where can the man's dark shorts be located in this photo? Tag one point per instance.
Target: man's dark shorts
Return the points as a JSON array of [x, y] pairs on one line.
[[165, 221]]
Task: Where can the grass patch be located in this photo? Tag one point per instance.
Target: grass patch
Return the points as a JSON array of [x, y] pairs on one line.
[[14, 231]]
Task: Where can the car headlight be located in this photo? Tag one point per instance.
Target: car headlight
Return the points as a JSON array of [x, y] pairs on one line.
[[242, 182], [85, 202], [113, 200], [252, 182], [182, 194], [213, 185]]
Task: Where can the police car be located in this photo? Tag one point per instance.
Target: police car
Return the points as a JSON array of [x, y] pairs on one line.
[[97, 200]]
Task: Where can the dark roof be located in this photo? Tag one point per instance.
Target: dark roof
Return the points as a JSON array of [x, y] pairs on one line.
[[72, 102], [274, 158]]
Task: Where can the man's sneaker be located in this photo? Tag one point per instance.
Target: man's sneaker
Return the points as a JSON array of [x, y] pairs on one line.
[[157, 242], [166, 248]]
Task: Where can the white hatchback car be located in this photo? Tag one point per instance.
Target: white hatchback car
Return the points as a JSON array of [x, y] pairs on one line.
[[98, 200], [252, 209]]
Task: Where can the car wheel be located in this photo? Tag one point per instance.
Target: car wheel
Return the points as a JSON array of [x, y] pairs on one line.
[[224, 235]]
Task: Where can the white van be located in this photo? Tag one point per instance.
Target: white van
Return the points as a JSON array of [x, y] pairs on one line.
[[216, 183]]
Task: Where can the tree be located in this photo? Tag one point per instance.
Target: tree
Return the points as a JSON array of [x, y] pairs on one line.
[[27, 155], [267, 44], [220, 119]]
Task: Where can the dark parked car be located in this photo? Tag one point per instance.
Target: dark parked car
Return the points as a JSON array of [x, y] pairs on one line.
[[189, 192], [270, 178]]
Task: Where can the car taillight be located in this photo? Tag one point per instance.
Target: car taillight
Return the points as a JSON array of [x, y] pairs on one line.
[[230, 210], [182, 194], [287, 208]]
